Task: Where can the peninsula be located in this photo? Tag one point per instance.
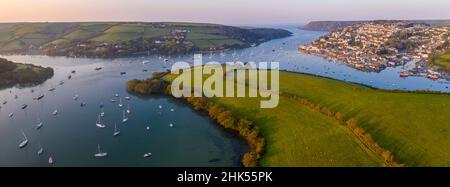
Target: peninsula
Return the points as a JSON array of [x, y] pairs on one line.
[[114, 39], [315, 127], [23, 74]]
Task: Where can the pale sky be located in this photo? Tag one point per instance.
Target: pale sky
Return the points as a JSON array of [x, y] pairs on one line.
[[220, 11]]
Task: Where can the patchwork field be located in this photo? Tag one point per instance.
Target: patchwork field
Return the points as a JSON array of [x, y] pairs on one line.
[[65, 37]]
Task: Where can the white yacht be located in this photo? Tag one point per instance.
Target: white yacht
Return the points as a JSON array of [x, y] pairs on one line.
[[40, 124], [147, 155], [41, 150], [120, 103], [116, 131], [99, 123], [100, 153], [124, 118], [24, 142], [50, 160], [55, 112], [171, 125], [128, 109]]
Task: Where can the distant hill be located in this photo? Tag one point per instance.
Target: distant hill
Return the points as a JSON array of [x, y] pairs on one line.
[[328, 25], [333, 25], [127, 38]]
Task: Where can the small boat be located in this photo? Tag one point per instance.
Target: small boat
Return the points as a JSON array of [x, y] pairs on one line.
[[433, 76], [73, 71], [160, 106], [145, 62], [123, 73], [116, 131], [172, 110], [171, 125], [166, 60], [120, 103], [404, 74], [50, 160], [124, 118], [69, 77], [24, 142], [40, 124], [99, 123], [97, 68], [75, 97], [39, 97], [55, 112], [100, 153], [40, 150], [144, 70], [102, 113], [127, 98], [32, 90], [148, 128], [61, 82], [4, 102], [83, 104], [128, 109], [113, 101], [24, 106], [52, 89], [101, 105], [11, 114], [117, 95], [147, 155]]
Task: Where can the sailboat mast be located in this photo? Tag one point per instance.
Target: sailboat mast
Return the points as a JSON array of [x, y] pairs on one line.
[[24, 135]]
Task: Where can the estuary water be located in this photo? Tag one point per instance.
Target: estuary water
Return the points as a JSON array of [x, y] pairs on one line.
[[71, 137]]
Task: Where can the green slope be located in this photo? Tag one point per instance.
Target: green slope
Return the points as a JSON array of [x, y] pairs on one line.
[[414, 127]]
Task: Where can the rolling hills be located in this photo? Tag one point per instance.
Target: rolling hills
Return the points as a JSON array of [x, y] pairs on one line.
[[326, 122], [119, 39]]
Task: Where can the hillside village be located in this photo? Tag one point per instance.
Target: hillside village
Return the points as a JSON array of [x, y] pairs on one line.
[[375, 45]]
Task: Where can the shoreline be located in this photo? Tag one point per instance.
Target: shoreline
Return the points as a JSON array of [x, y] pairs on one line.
[[363, 138]]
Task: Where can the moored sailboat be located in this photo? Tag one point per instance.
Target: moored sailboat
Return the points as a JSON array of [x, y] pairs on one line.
[[124, 118], [99, 123], [24, 142], [100, 153]]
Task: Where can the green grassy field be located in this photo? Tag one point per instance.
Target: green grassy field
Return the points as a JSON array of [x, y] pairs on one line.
[[414, 127], [442, 62]]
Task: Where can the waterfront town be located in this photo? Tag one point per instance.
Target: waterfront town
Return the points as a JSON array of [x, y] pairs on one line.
[[375, 45]]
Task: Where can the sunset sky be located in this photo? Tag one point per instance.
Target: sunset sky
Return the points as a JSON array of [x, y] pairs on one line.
[[220, 11]]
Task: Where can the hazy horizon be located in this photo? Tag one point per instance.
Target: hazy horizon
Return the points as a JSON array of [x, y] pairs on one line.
[[250, 12]]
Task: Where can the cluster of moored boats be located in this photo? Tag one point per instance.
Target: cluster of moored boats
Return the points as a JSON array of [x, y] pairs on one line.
[[99, 124]]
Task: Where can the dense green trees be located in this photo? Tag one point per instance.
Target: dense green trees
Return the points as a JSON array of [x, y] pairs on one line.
[[15, 73], [226, 118]]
